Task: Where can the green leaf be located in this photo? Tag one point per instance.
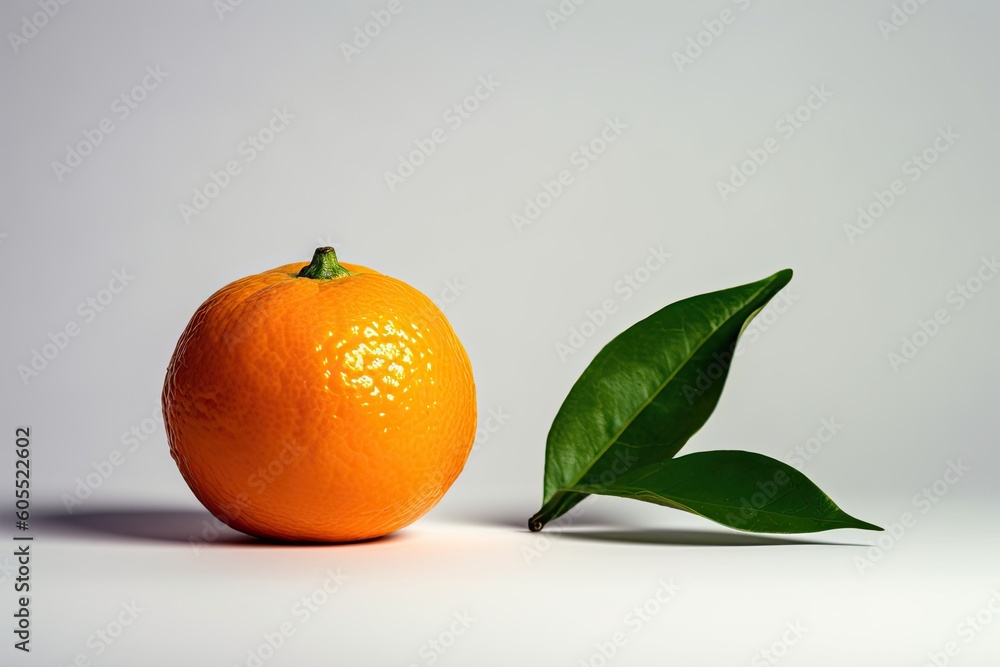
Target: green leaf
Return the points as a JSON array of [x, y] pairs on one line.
[[647, 392], [742, 490]]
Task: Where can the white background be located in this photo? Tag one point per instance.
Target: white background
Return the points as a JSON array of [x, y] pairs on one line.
[[549, 599]]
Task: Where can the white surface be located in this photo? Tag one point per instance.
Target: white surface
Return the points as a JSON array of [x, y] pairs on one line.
[[322, 181], [542, 599]]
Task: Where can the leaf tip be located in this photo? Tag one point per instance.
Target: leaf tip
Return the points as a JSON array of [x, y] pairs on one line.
[[864, 525], [784, 276]]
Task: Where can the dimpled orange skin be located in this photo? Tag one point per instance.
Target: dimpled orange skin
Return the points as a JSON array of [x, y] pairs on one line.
[[319, 410]]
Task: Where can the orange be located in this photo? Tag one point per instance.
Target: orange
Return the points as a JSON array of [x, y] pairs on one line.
[[319, 402]]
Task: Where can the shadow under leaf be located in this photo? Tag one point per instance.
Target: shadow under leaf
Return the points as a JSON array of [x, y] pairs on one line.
[[688, 538]]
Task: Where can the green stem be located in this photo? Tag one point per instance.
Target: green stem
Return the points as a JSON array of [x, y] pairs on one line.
[[559, 504], [324, 266]]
